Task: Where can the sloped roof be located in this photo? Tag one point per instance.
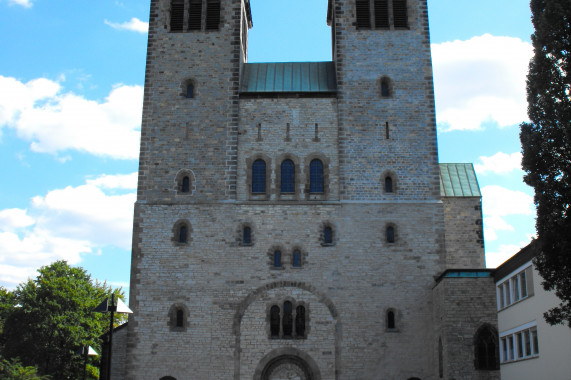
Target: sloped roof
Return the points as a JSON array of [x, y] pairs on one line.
[[458, 180], [288, 77]]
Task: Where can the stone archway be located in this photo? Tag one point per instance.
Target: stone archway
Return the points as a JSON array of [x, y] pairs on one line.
[[287, 367]]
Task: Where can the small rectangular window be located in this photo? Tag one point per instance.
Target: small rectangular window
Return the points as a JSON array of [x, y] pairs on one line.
[[363, 14], [213, 15]]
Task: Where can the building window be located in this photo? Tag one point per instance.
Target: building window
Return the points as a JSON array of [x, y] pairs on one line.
[[259, 177], [247, 235], [185, 186], [486, 349], [390, 234], [386, 87], [377, 14], [519, 345], [391, 320], [277, 259], [177, 16], [287, 177], [316, 176], [182, 232], [515, 288], [289, 321], [327, 235], [296, 259], [388, 184], [212, 14], [195, 15], [189, 91], [177, 317]]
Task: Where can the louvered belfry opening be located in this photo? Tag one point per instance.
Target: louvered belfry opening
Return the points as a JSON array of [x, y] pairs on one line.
[[363, 14], [177, 15], [381, 13], [195, 15], [212, 14], [400, 16]]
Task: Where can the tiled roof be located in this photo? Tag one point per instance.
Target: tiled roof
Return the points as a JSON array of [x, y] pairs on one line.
[[458, 180], [289, 77]]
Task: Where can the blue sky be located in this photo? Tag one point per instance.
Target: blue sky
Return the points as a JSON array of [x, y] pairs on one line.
[[71, 77]]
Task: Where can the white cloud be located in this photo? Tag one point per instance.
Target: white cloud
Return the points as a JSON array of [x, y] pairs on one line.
[[499, 163], [504, 252], [65, 224], [24, 3], [499, 202], [480, 80], [54, 121], [134, 25]]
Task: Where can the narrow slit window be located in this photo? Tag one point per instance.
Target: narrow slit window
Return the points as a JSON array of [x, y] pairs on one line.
[[328, 235], [277, 259], [189, 91], [287, 177], [385, 88], [247, 235], [185, 188], [259, 177], [213, 14], [316, 176], [296, 262], [177, 15], [275, 321], [388, 184], [182, 234], [179, 318], [390, 234], [287, 323], [391, 320], [300, 321]]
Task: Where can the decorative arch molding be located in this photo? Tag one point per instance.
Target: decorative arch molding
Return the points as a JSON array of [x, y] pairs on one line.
[[179, 180], [394, 182], [255, 295], [284, 356]]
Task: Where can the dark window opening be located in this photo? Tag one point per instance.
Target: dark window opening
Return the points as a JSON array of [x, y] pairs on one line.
[[385, 88], [328, 235], [440, 359], [190, 91], [213, 14], [363, 14], [182, 234], [390, 234], [296, 262], [247, 235], [277, 259], [391, 320], [195, 15], [185, 188], [275, 321], [177, 15], [316, 176], [287, 177], [179, 318], [259, 177], [287, 323], [300, 321], [381, 13], [486, 343], [400, 15], [388, 185]]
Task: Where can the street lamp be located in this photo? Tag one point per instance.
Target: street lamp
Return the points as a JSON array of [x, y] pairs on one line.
[[85, 351], [105, 307]]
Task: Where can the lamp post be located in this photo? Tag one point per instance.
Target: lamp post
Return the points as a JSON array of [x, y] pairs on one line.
[[105, 307], [85, 351]]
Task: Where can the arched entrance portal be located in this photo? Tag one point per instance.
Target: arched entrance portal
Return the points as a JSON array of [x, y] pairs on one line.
[[287, 367]]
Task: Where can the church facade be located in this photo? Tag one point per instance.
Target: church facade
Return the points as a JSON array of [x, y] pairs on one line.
[[292, 219]]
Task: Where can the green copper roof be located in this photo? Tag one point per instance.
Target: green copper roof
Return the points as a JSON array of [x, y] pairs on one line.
[[458, 180], [288, 77]]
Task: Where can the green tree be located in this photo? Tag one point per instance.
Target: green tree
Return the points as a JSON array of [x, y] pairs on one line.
[[53, 317], [546, 146], [14, 370]]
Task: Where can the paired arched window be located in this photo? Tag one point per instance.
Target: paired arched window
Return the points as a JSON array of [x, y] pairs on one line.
[[288, 322], [259, 177], [316, 176], [486, 349], [287, 176], [390, 234]]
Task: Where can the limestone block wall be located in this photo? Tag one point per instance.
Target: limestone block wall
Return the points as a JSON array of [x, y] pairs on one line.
[[461, 307], [362, 58], [464, 231]]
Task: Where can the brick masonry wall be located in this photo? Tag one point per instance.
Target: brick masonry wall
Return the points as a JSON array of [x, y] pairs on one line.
[[464, 232]]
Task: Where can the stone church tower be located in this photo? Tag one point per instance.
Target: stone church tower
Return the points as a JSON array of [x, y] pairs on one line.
[[292, 219]]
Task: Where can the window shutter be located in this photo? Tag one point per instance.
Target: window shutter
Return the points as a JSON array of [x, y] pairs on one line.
[[213, 15], [195, 15], [400, 16], [363, 14], [177, 15], [381, 13]]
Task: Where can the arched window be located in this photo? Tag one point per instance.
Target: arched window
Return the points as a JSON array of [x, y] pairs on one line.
[[177, 15], [259, 177], [185, 186], [247, 235], [277, 259], [328, 235], [287, 177], [190, 91], [388, 184], [391, 320], [182, 234], [300, 321], [316, 176], [287, 322], [296, 259], [385, 88], [486, 349], [180, 318], [275, 321], [390, 234]]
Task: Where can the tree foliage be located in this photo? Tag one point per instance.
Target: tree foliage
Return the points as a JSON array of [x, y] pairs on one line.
[[50, 317], [546, 145], [14, 370]]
